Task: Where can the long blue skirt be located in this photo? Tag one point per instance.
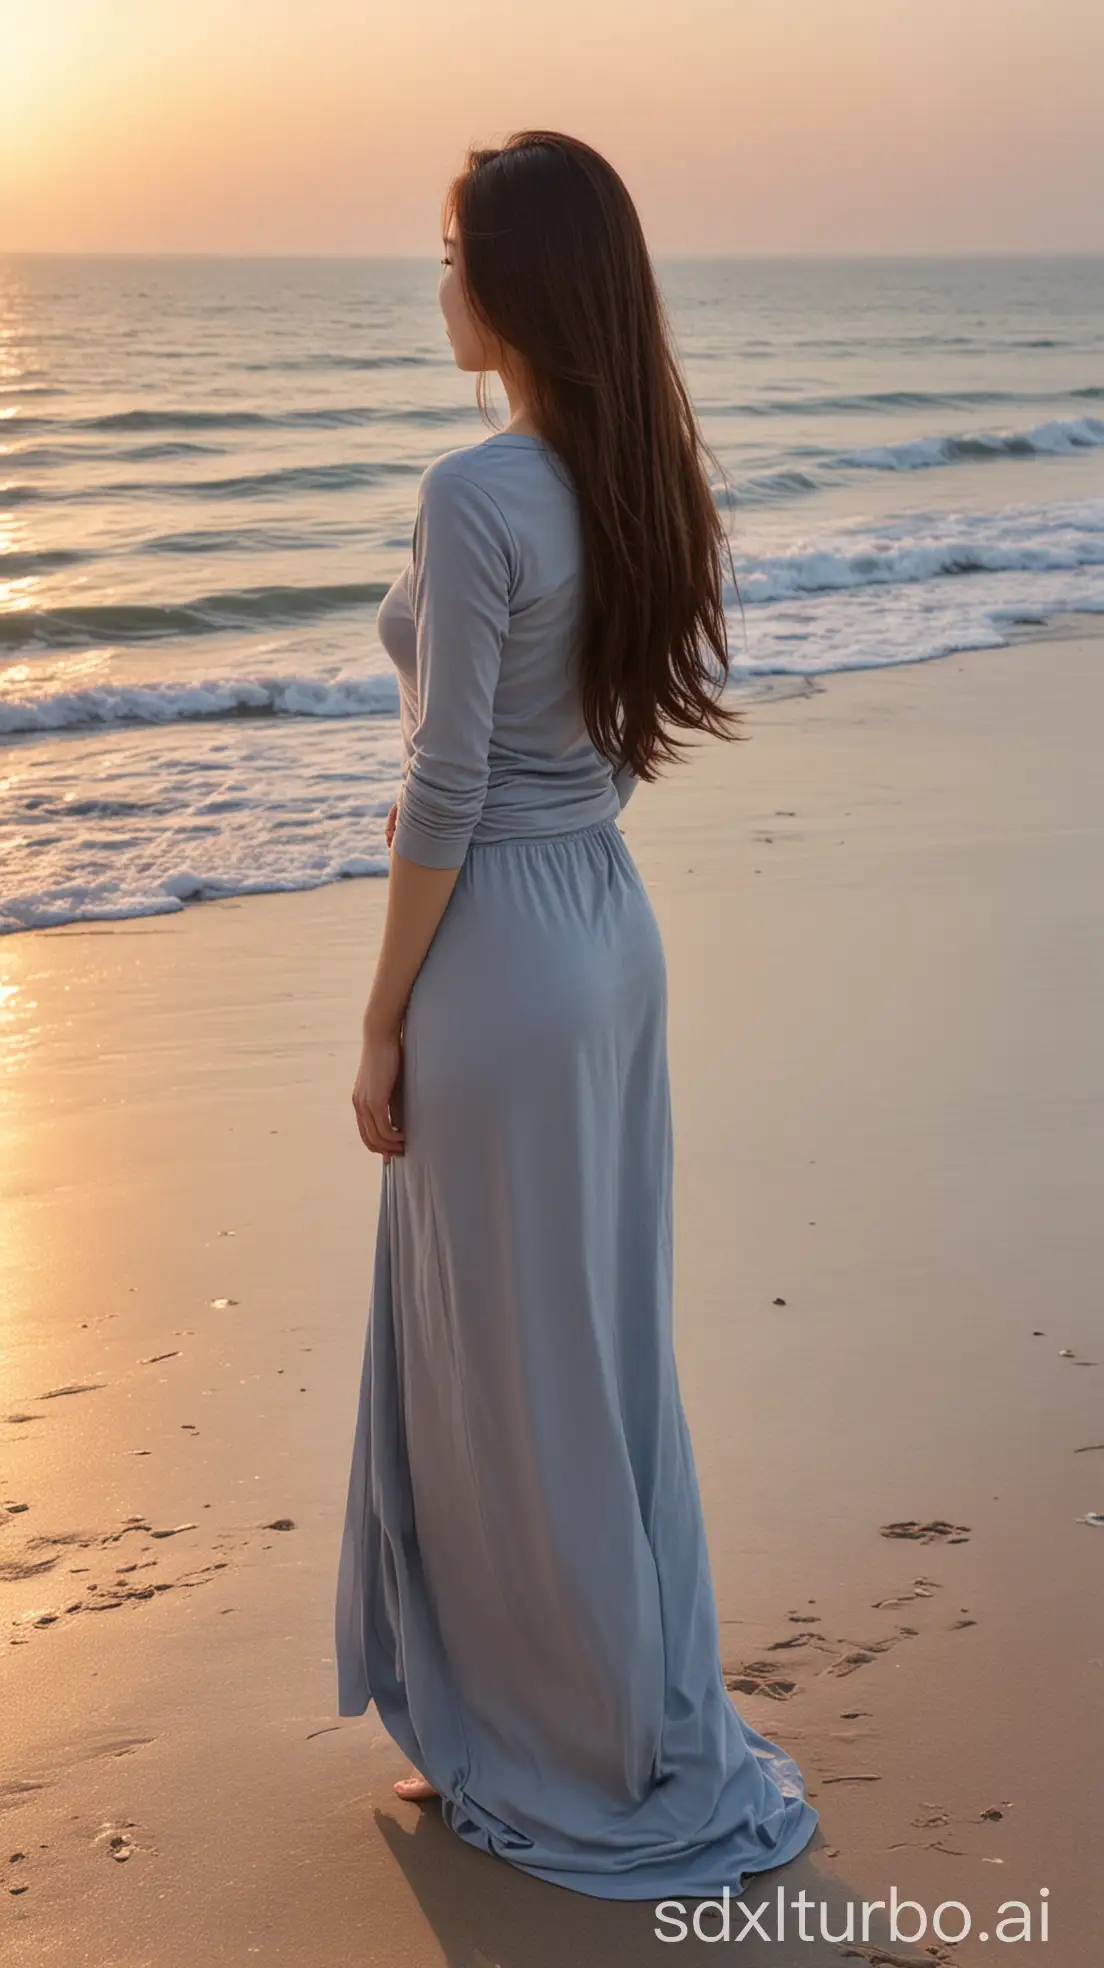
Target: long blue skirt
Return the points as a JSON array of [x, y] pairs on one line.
[[524, 1586]]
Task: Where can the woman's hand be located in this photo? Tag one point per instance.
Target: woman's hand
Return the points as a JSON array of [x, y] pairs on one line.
[[377, 1094], [391, 819]]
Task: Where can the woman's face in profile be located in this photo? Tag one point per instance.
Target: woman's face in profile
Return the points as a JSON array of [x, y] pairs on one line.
[[472, 348]]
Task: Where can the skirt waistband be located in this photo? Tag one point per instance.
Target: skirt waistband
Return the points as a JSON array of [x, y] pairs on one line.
[[609, 826]]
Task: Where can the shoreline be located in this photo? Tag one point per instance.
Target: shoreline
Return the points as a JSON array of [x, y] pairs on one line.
[[750, 694], [883, 939]]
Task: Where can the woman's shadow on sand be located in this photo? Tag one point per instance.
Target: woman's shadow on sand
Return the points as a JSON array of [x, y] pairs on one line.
[[484, 1913]]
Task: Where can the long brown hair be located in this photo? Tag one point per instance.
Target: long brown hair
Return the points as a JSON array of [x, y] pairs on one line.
[[555, 265]]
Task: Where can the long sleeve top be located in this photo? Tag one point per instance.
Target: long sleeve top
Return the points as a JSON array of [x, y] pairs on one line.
[[480, 626]]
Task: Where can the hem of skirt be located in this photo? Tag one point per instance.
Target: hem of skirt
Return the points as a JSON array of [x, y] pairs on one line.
[[665, 1881]]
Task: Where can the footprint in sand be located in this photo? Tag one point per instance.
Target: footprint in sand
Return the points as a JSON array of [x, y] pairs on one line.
[[921, 1588], [938, 1530], [861, 1653], [760, 1678], [765, 1677]]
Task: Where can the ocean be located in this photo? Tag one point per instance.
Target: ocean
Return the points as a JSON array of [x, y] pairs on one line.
[[208, 471]]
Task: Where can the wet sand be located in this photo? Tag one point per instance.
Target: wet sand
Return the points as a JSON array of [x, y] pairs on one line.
[[886, 951]]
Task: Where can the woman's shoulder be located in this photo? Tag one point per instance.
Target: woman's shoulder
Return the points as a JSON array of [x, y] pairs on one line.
[[504, 467], [455, 475], [478, 492], [464, 511], [465, 464], [504, 499]]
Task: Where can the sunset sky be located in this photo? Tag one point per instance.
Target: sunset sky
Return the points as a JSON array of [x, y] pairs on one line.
[[741, 126]]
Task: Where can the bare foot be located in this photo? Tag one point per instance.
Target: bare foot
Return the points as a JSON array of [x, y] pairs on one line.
[[416, 1788]]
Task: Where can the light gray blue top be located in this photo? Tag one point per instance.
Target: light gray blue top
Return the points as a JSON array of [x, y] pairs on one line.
[[479, 626]]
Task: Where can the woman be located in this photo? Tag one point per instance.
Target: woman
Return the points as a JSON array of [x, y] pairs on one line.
[[524, 1587]]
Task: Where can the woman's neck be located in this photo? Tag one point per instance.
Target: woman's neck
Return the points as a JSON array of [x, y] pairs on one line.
[[521, 417]]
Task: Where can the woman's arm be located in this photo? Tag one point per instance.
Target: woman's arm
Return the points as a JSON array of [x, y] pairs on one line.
[[464, 567], [417, 898]]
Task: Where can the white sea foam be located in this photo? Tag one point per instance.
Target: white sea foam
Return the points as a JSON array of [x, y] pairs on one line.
[[929, 546], [915, 586], [114, 901], [52, 709], [160, 818]]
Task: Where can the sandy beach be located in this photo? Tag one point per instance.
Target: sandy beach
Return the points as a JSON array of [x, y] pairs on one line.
[[886, 952]]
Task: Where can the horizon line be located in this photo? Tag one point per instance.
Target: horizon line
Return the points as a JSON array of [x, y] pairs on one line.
[[210, 253]]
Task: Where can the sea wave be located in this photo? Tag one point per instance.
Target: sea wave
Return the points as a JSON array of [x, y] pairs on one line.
[[321, 417], [245, 485], [184, 703], [877, 402], [1057, 438], [926, 342], [251, 608], [295, 363], [18, 564], [355, 416], [768, 488], [51, 457], [299, 536], [932, 547]]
